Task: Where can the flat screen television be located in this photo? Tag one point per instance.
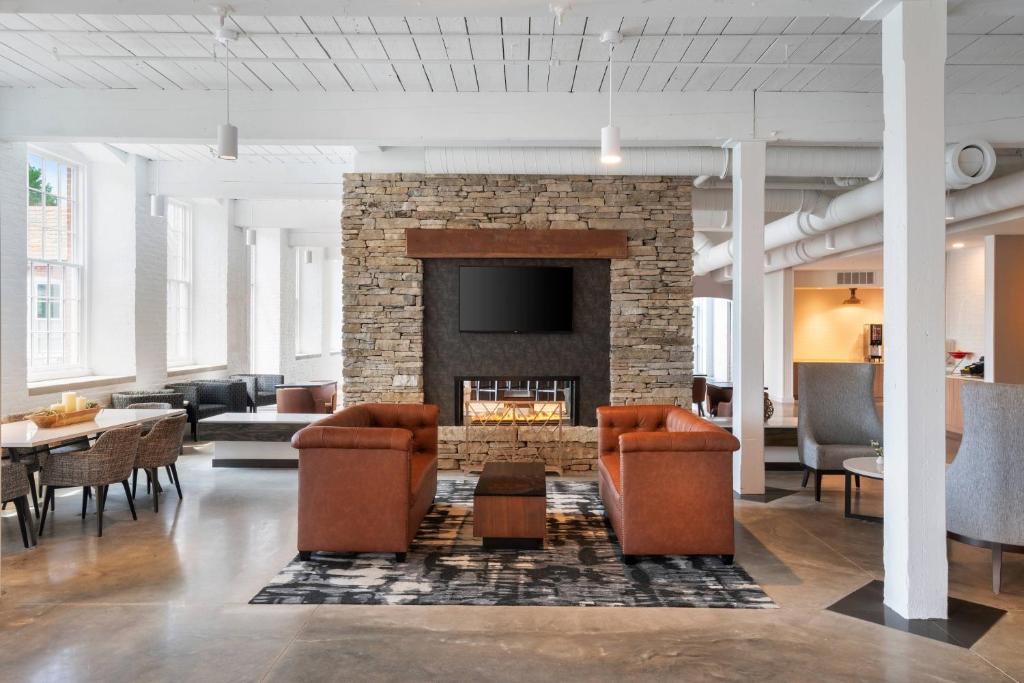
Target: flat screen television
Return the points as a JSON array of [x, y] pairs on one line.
[[515, 299]]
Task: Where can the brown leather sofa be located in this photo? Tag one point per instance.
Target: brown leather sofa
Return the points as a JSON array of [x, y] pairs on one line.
[[367, 477], [665, 477]]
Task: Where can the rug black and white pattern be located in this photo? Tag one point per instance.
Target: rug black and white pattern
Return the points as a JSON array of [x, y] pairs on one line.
[[580, 565]]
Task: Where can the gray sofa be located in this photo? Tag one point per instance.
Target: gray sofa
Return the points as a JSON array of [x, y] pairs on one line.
[[985, 483]]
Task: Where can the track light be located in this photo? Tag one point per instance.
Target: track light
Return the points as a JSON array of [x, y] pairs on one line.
[[611, 149], [309, 257], [830, 241], [250, 238]]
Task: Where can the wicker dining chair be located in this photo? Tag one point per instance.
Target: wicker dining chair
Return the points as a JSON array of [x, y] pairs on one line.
[[160, 448], [109, 461], [16, 488]]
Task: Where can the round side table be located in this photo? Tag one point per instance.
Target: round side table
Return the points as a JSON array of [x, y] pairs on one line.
[[863, 467]]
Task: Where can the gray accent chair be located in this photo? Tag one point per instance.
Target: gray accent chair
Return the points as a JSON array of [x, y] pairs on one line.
[[262, 389], [125, 399], [160, 448], [985, 483], [837, 418], [209, 397]]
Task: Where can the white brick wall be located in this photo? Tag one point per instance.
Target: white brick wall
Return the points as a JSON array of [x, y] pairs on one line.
[[126, 271], [13, 248]]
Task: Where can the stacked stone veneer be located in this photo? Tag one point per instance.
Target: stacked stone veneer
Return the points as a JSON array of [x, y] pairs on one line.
[[651, 359]]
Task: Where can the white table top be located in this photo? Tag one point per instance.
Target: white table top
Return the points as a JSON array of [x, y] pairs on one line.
[[865, 467], [263, 417], [25, 434]]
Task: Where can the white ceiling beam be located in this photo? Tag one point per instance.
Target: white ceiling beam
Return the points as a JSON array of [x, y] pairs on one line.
[[480, 119], [853, 9]]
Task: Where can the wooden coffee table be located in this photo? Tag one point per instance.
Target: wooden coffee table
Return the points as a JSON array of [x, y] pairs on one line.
[[510, 505]]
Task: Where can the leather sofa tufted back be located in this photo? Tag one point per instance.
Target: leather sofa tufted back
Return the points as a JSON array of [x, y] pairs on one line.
[[614, 421], [420, 419]]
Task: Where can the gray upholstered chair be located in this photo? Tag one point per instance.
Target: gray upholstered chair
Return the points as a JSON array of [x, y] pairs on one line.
[[985, 483], [262, 389], [837, 417], [160, 448], [16, 488], [128, 399], [109, 461], [149, 405]]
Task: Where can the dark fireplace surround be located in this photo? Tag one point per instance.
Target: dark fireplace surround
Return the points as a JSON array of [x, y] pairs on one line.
[[450, 356]]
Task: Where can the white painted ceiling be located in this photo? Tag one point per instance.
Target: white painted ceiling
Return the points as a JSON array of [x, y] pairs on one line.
[[488, 54], [280, 154]]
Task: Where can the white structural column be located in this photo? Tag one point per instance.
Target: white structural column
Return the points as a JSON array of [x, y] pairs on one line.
[[748, 166], [913, 58], [778, 334]]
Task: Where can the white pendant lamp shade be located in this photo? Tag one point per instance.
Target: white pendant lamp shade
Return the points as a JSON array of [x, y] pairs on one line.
[[309, 257], [611, 152], [157, 205], [227, 141], [250, 238]]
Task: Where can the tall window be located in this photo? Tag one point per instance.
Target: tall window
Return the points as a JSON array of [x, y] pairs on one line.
[[179, 284], [56, 250], [712, 338]]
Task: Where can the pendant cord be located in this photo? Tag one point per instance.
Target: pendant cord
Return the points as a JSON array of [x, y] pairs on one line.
[[611, 49], [227, 82]]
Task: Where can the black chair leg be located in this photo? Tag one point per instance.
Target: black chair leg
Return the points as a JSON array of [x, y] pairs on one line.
[[25, 521], [47, 497], [399, 557], [131, 499], [857, 478], [177, 482], [807, 475], [817, 486], [86, 492], [101, 499], [156, 491], [135, 480], [32, 489]]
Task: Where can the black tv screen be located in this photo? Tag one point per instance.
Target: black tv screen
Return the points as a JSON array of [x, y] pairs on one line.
[[515, 299]]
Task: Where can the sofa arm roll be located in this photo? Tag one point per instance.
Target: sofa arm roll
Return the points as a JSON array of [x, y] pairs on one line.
[[636, 442], [353, 438]]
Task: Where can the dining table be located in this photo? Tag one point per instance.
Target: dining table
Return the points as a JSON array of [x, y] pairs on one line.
[[25, 434]]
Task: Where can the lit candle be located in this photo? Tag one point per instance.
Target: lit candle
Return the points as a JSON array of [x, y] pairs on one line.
[[80, 403], [54, 406], [69, 399]]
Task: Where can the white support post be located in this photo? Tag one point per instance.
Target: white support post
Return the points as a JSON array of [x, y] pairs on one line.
[[778, 334], [913, 59], [748, 168]]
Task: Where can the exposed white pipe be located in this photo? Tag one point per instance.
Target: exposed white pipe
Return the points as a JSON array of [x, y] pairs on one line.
[[798, 162], [992, 197], [966, 164], [775, 201]]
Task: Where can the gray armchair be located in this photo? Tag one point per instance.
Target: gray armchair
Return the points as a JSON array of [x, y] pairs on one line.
[[837, 417], [984, 485], [262, 389], [124, 399], [208, 397]]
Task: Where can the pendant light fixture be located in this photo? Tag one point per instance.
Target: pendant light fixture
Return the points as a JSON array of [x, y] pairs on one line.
[[157, 201], [853, 300], [227, 134], [611, 150]]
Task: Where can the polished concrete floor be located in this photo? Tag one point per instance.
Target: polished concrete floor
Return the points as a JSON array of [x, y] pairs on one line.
[[165, 598]]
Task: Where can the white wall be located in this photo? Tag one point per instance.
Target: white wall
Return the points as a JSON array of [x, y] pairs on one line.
[[13, 295], [965, 300], [126, 267]]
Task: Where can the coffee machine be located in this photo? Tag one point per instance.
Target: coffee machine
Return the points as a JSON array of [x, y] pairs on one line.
[[873, 343]]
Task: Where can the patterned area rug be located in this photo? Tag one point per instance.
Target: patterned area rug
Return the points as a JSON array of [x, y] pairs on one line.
[[580, 565]]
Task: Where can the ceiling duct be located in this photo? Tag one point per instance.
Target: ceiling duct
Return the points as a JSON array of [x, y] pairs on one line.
[[969, 163]]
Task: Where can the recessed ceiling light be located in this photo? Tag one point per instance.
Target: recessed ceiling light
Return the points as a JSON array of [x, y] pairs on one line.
[[957, 245]]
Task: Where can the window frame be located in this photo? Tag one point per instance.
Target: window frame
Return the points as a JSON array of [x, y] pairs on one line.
[[78, 263], [188, 258]]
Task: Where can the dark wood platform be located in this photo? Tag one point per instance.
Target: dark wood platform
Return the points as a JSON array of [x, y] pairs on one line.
[[510, 505]]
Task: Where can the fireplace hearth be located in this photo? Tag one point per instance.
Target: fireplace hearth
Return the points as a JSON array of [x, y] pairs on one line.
[[516, 401]]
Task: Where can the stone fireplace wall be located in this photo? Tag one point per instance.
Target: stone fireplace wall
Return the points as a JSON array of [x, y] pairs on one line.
[[651, 316]]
